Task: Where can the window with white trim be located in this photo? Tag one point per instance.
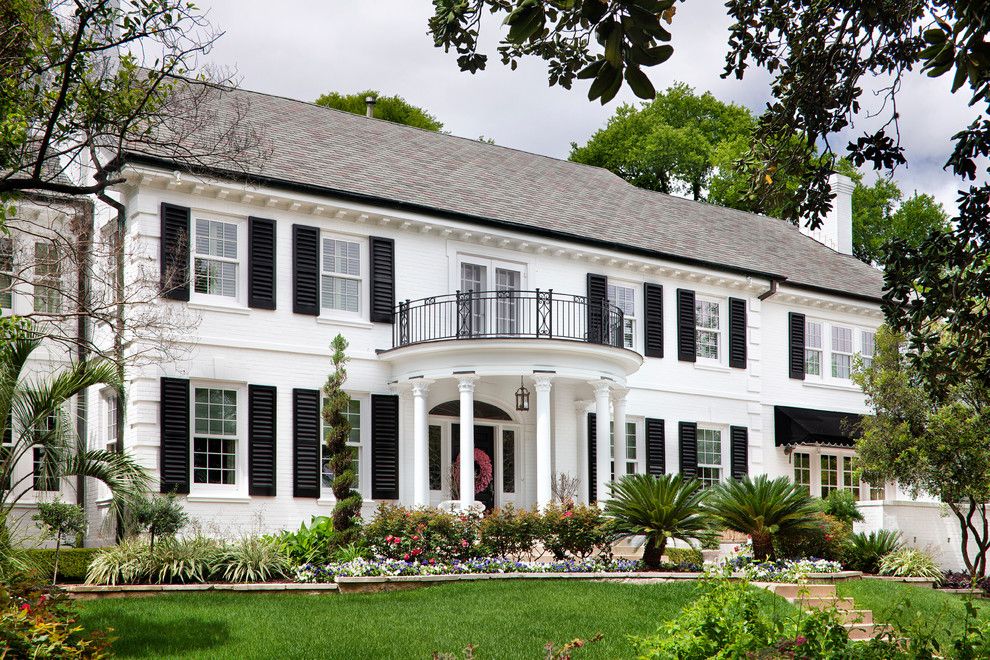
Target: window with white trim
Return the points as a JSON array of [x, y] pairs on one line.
[[813, 348], [216, 258], [867, 347], [215, 436], [842, 350], [629, 451], [847, 475], [709, 457], [802, 470], [829, 474], [6, 447], [876, 492], [340, 285], [110, 437], [624, 297], [44, 475], [708, 329], [47, 278], [353, 415], [6, 272]]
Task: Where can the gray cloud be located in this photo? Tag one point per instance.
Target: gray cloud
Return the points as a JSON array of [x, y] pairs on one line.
[[301, 49]]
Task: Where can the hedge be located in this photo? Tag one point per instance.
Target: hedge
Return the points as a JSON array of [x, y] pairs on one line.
[[684, 556], [72, 562]]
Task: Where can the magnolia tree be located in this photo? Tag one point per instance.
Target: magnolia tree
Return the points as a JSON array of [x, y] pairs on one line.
[[931, 441]]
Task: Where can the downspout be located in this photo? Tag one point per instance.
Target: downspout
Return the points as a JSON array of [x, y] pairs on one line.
[[769, 292], [85, 217]]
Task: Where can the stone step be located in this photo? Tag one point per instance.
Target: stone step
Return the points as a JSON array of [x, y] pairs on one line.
[[856, 616], [823, 603], [804, 590], [863, 631]]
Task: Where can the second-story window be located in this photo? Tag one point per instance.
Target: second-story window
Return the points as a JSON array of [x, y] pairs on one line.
[[216, 262], [624, 297], [47, 278], [813, 348], [867, 347], [6, 272], [341, 275], [708, 333], [842, 350]]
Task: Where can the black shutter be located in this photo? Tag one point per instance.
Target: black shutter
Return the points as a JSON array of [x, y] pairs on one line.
[[655, 447], [174, 251], [686, 342], [306, 443], [737, 333], [261, 263], [262, 407], [592, 458], [596, 306], [652, 320], [305, 270], [739, 451], [687, 442], [384, 447], [382, 279], [174, 422], [796, 345]]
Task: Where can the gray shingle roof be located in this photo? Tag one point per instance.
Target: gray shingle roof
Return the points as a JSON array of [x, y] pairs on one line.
[[338, 151]]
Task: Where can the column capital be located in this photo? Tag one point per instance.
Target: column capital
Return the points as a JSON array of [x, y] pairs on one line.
[[619, 393], [466, 383], [582, 405], [420, 386], [601, 387], [542, 382]]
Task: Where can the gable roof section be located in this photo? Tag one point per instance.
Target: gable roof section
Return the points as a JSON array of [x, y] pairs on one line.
[[325, 150]]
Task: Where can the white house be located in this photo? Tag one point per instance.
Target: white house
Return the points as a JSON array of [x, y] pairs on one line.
[[716, 342]]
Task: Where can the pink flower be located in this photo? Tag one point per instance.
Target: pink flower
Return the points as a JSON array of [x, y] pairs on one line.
[[406, 556], [388, 539], [567, 514], [415, 537], [433, 561], [25, 608], [464, 543]]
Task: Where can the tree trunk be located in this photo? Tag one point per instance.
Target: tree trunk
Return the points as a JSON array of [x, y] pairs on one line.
[[653, 551], [762, 546], [58, 546]]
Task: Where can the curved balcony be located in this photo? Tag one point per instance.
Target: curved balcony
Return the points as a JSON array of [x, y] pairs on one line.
[[539, 314]]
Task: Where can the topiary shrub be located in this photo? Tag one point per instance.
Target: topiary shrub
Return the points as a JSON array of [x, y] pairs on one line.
[[73, 563], [685, 556], [577, 532], [422, 534], [508, 532], [823, 537]]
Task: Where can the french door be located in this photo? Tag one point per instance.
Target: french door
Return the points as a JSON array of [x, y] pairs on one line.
[[496, 312]]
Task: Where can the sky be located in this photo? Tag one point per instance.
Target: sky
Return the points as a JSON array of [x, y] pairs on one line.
[[304, 48]]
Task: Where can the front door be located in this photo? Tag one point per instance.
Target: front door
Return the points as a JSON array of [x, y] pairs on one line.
[[484, 441]]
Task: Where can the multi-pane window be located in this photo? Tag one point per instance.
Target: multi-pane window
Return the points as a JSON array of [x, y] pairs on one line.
[[629, 444], [5, 450], [709, 457], [847, 475], [353, 415], [215, 261], [341, 280], [624, 297], [813, 348], [507, 310], [842, 349], [436, 457], [111, 435], [44, 472], [867, 347], [877, 492], [474, 279], [508, 461], [829, 473], [802, 470], [215, 436], [708, 329], [47, 278], [6, 272]]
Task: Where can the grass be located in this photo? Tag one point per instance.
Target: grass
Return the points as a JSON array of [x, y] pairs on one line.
[[502, 619], [913, 607]]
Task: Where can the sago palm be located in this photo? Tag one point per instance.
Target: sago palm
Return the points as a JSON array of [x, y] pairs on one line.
[[763, 508], [659, 508], [36, 405]]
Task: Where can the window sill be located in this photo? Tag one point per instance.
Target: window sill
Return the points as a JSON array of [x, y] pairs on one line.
[[347, 322], [832, 386], [217, 307], [713, 367], [218, 497]]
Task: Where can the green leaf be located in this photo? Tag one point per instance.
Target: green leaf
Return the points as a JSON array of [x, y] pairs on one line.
[[591, 70], [640, 83], [605, 79]]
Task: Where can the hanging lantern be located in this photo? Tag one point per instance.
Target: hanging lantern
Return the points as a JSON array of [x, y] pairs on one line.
[[522, 397]]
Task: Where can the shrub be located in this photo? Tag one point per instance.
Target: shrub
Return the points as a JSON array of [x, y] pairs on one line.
[[841, 504], [61, 521], [193, 559], [577, 531], [864, 551], [72, 564], [823, 537], [763, 508], [119, 564], [310, 543], [685, 556], [251, 559], [510, 532], [422, 534], [159, 516], [40, 624], [350, 552], [963, 580], [910, 562], [659, 508]]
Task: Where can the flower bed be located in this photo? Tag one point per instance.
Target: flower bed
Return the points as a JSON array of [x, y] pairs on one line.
[[485, 565], [786, 570]]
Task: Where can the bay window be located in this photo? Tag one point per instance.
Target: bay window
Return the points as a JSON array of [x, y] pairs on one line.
[[813, 348], [802, 470], [829, 350], [829, 474]]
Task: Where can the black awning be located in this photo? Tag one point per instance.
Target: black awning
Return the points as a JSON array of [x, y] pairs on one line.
[[803, 426]]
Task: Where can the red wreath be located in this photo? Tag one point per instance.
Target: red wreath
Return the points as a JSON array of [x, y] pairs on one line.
[[482, 471]]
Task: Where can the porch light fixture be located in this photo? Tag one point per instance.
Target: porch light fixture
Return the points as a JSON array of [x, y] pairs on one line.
[[522, 397]]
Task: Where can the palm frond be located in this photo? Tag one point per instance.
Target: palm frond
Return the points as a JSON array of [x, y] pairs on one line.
[[762, 506], [125, 478]]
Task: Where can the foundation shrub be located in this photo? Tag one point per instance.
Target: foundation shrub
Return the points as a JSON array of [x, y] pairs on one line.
[[577, 531], [512, 533], [684, 556], [824, 537], [422, 534], [72, 563]]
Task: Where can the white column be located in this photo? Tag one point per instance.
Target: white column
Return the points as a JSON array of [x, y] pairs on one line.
[[581, 412], [619, 430], [421, 450], [465, 386], [602, 428], [544, 470]]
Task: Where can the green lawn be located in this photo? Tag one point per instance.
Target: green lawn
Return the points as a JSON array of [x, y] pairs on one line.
[[504, 619]]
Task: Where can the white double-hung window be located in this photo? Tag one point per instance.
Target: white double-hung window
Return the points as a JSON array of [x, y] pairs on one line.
[[830, 350], [353, 415], [813, 348], [215, 436], [341, 275], [624, 297], [630, 463], [842, 350], [709, 456], [708, 329], [867, 347], [216, 258], [47, 278]]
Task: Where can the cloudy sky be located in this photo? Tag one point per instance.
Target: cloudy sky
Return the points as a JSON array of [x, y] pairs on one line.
[[303, 48]]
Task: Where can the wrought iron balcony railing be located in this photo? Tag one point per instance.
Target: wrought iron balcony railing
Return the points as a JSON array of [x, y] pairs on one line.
[[539, 314]]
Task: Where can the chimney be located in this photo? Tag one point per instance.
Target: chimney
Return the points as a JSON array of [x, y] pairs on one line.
[[369, 104], [836, 229]]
